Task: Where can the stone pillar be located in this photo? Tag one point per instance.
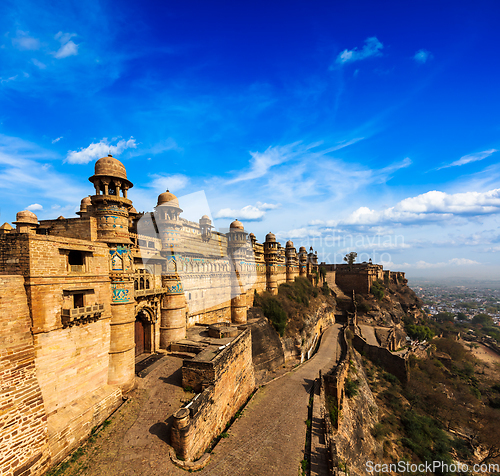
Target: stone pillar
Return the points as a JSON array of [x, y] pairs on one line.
[[239, 309], [180, 434], [121, 370]]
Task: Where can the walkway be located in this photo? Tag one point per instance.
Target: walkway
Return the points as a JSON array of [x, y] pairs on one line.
[[267, 440]]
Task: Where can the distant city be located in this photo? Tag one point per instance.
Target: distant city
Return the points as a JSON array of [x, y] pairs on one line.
[[463, 300]]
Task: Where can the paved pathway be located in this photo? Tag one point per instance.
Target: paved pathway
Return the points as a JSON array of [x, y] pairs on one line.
[[268, 440]]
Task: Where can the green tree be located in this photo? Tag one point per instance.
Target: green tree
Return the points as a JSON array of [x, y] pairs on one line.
[[483, 319], [377, 290], [322, 273], [350, 258]]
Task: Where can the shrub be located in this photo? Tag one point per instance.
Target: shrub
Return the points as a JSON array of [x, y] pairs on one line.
[[364, 307], [377, 290], [275, 313], [351, 387]]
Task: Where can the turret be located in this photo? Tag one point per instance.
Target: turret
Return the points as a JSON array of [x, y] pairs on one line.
[[237, 245], [270, 256], [110, 206], [292, 262], [173, 302], [26, 222], [302, 262]]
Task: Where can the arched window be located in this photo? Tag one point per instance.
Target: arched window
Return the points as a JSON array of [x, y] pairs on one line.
[[147, 283], [112, 188], [141, 285], [136, 285]]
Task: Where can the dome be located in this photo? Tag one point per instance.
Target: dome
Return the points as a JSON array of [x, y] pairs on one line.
[[132, 211], [270, 237], [111, 167], [205, 217], [251, 235], [167, 198], [236, 225], [302, 248], [26, 216], [85, 203], [289, 244]]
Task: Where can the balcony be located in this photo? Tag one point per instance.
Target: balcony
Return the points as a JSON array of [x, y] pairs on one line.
[[79, 315], [148, 292], [77, 268]]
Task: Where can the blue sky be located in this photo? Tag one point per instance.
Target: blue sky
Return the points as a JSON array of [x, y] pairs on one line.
[[350, 126]]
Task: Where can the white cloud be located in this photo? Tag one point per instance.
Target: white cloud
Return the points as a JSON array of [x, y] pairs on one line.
[[25, 42], [267, 206], [38, 64], [249, 213], [68, 47], [100, 149], [57, 140], [466, 159], [430, 206], [422, 56], [174, 182], [35, 206], [371, 47], [452, 262]]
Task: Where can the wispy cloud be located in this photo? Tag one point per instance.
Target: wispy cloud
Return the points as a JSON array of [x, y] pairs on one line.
[[34, 206], [99, 149], [22, 162], [372, 47], [38, 63], [422, 56], [466, 159], [25, 42], [57, 140]]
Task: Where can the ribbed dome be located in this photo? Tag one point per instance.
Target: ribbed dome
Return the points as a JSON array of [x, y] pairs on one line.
[[26, 216], [270, 237], [236, 225], [289, 244], [111, 167], [167, 198]]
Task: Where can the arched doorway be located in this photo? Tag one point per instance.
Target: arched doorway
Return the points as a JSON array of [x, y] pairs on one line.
[[143, 338], [140, 337]]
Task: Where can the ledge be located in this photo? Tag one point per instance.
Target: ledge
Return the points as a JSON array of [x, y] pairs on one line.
[[190, 465]]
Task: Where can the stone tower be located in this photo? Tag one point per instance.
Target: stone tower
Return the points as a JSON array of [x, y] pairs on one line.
[[292, 262], [173, 302], [270, 256], [110, 206], [303, 262], [237, 243]]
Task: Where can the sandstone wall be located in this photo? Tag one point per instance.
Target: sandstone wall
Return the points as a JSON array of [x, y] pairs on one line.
[[23, 422], [229, 380]]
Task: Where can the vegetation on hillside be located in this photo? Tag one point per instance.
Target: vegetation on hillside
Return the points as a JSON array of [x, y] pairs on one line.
[[286, 311]]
